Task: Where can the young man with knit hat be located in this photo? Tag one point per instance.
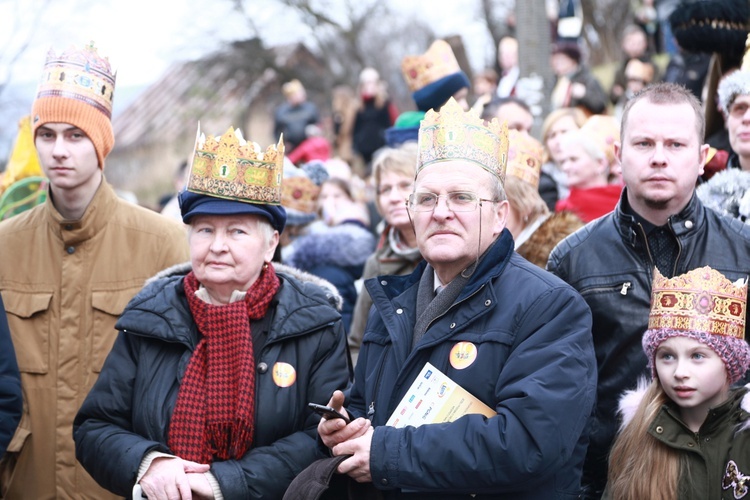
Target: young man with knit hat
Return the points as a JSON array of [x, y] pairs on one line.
[[73, 264], [512, 335]]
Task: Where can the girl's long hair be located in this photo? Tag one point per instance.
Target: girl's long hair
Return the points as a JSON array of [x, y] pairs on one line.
[[640, 466]]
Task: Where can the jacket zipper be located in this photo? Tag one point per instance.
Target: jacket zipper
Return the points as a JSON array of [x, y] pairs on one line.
[[679, 247], [371, 407], [623, 288]]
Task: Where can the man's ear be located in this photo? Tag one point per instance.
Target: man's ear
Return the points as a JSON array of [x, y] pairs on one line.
[[501, 217]]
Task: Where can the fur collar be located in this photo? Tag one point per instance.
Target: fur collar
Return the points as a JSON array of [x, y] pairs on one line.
[[331, 292], [630, 400]]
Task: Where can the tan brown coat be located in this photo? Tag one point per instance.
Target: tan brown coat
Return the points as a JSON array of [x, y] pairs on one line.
[[64, 283]]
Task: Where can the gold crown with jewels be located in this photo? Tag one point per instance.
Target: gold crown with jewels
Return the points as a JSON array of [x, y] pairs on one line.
[[455, 134], [80, 74], [438, 62], [524, 157], [232, 168], [701, 300]]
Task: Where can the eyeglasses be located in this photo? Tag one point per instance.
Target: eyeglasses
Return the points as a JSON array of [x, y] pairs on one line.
[[402, 187], [456, 202], [738, 109]]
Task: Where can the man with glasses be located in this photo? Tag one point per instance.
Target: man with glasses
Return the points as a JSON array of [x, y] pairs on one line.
[[513, 336]]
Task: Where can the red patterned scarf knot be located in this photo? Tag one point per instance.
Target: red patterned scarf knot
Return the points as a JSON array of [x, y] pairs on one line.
[[214, 416]]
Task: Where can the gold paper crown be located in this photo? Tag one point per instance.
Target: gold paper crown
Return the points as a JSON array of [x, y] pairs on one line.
[[452, 134], [524, 157], [701, 300], [438, 62], [79, 74], [300, 193], [230, 167]]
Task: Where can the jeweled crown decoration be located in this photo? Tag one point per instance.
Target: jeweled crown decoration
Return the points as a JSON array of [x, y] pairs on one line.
[[230, 167], [79, 74], [453, 134], [438, 62], [300, 193], [701, 300], [524, 157]]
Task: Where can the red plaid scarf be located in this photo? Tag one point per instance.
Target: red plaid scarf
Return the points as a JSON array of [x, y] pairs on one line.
[[214, 415]]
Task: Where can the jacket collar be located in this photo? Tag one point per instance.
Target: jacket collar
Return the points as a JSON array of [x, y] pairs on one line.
[[688, 220], [97, 215], [491, 264]]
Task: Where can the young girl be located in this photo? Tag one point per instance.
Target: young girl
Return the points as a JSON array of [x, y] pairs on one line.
[[685, 435]]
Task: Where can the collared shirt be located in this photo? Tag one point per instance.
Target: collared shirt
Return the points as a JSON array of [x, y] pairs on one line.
[[662, 243]]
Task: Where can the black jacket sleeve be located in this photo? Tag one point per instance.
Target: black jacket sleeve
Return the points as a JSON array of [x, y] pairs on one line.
[[11, 402]]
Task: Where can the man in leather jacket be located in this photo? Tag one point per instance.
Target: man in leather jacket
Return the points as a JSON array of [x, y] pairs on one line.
[[658, 222]]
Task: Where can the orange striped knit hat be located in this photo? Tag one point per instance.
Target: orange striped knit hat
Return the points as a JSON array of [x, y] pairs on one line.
[[77, 87]]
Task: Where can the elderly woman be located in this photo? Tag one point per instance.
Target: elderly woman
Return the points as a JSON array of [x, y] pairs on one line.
[[587, 169], [393, 171], [552, 183], [535, 230], [205, 391]]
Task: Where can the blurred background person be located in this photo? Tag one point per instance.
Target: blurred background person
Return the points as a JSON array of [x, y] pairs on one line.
[[374, 115], [575, 86], [205, 391], [314, 147], [535, 229], [587, 172], [634, 45], [507, 59], [336, 247], [393, 171], [484, 89], [343, 110], [637, 75], [292, 116], [515, 113], [552, 183], [170, 203]]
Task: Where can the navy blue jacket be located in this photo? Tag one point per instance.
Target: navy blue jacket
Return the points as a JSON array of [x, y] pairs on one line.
[[128, 411], [11, 401], [535, 365]]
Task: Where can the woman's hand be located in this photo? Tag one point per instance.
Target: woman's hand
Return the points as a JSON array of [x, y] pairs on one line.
[[166, 478], [200, 486], [335, 431]]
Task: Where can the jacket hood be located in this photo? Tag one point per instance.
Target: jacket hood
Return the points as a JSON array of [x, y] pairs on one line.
[[346, 244], [334, 298]]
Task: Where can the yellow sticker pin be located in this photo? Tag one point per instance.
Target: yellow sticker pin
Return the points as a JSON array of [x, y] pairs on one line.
[[284, 374], [463, 355]]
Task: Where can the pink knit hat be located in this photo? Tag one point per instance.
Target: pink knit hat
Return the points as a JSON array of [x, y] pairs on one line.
[[705, 306]]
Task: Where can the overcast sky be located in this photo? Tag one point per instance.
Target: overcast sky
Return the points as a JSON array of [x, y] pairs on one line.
[[142, 38]]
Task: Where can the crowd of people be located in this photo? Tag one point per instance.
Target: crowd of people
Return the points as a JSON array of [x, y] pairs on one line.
[[476, 310]]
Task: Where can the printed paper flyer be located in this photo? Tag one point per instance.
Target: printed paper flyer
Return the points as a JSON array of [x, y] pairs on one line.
[[435, 398]]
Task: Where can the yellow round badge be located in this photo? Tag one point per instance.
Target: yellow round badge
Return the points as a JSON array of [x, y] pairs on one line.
[[284, 374], [463, 355]]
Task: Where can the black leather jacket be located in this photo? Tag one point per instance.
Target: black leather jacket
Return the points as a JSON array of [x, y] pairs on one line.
[[609, 263]]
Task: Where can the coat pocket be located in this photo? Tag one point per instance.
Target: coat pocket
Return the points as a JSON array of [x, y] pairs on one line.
[[107, 305], [29, 318]]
